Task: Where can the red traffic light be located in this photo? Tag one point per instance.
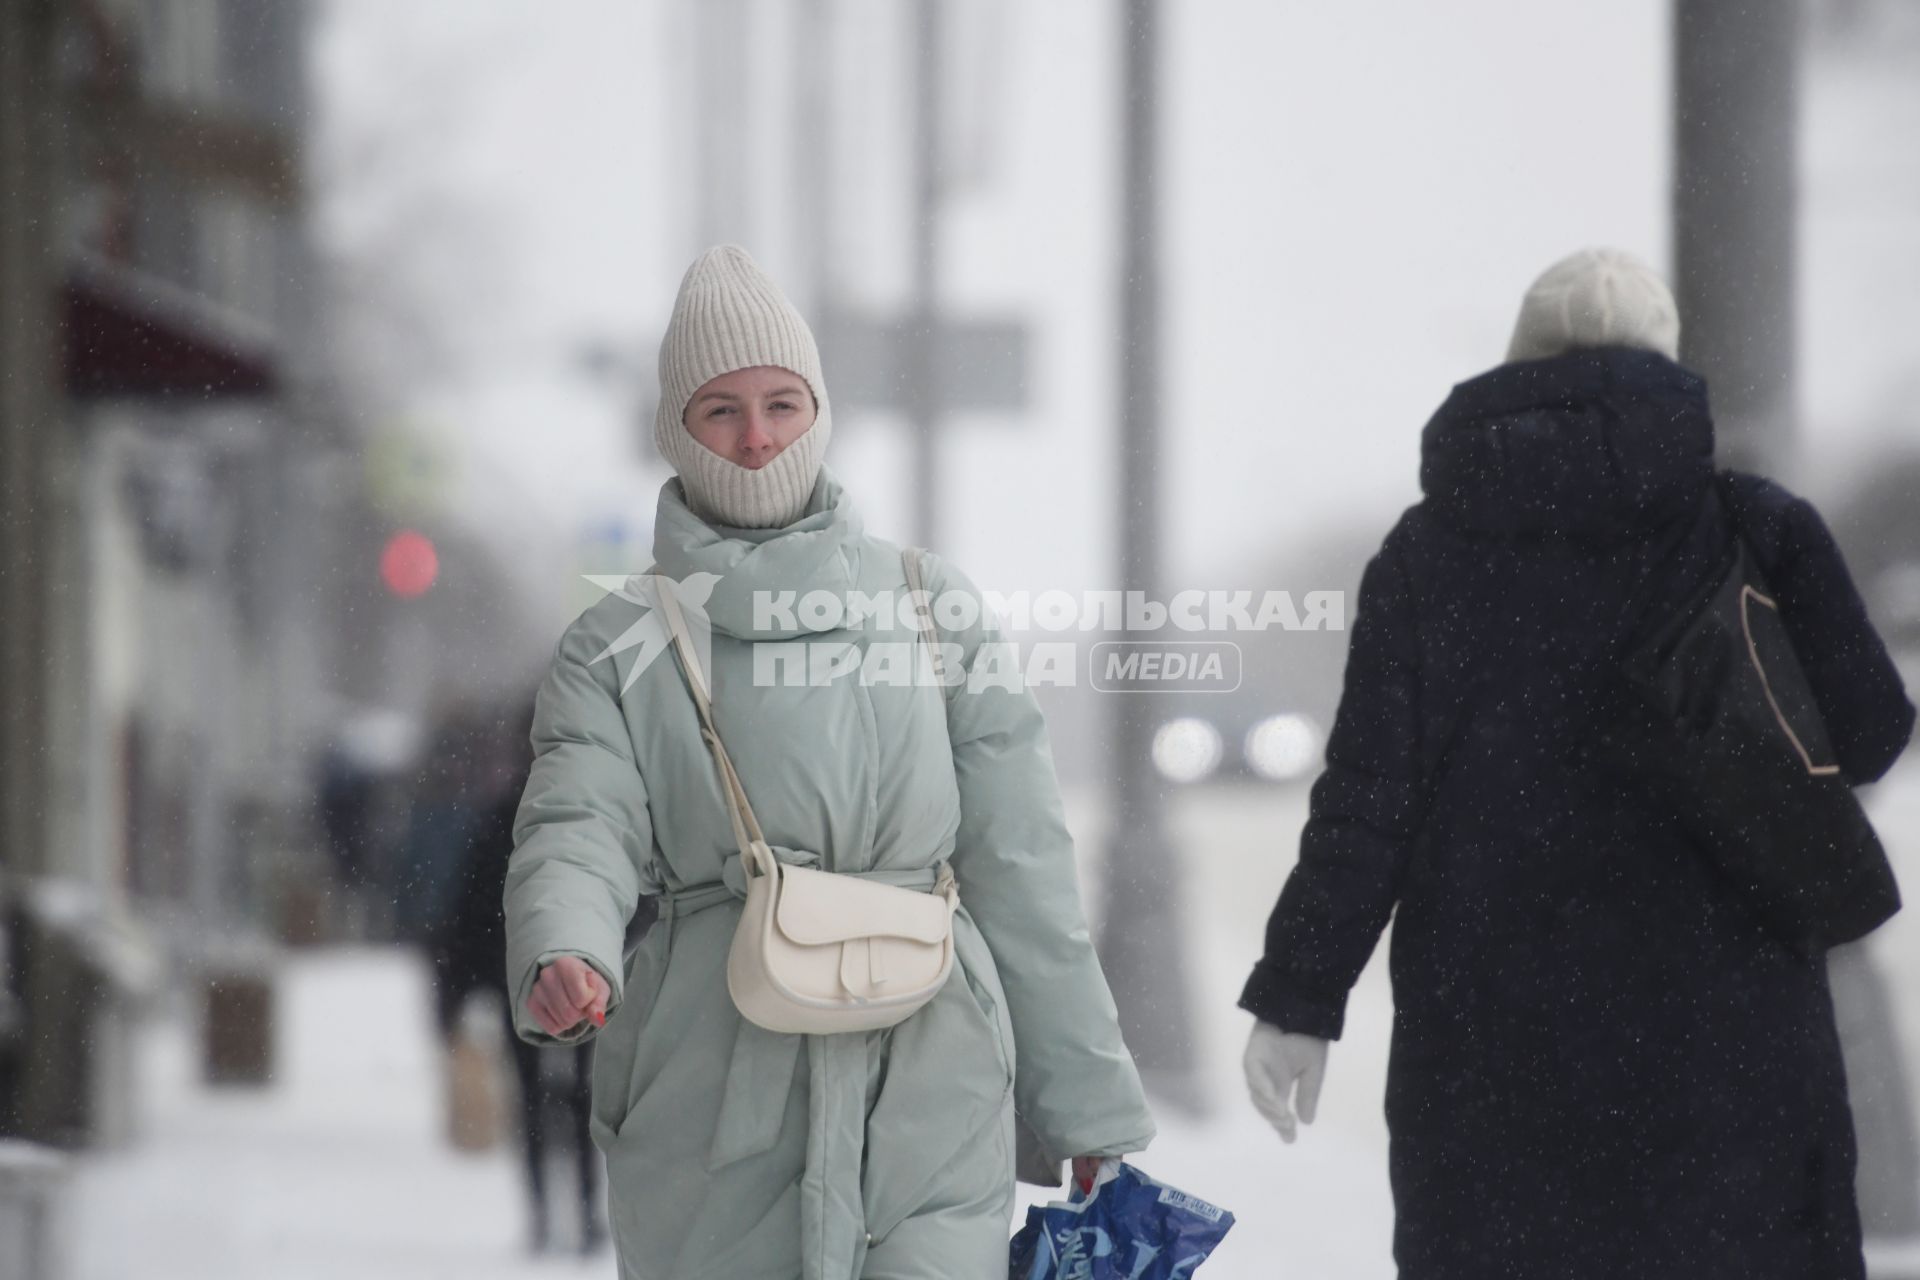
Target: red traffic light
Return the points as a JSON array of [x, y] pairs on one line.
[[409, 564]]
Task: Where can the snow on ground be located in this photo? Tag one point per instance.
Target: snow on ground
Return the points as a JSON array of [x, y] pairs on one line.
[[339, 1168]]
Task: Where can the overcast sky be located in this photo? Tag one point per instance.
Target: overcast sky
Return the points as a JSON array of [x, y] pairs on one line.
[[1354, 198]]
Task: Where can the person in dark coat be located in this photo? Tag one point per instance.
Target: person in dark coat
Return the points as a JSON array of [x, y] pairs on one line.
[[469, 951], [1602, 1064]]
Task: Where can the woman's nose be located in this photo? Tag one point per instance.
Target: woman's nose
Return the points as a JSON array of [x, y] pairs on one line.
[[755, 437]]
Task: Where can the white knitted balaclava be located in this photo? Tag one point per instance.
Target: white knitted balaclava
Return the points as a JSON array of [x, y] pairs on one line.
[[729, 316], [1596, 298]]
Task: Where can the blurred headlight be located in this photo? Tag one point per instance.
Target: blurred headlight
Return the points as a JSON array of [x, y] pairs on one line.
[[1283, 747], [1187, 749]]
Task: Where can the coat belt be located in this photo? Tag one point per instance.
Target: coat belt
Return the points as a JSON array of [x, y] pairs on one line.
[[760, 1076]]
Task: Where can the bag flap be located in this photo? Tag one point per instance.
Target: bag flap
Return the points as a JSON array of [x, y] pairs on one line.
[[1783, 682], [818, 907]]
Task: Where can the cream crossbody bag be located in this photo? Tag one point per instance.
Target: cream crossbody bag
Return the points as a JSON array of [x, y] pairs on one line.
[[818, 952]]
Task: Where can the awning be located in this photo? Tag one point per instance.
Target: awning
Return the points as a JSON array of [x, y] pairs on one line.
[[126, 333]]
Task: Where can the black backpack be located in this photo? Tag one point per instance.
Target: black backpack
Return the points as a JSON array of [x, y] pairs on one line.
[[1723, 722]]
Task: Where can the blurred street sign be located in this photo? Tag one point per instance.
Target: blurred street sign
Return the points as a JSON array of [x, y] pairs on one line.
[[981, 366], [612, 543], [408, 471]]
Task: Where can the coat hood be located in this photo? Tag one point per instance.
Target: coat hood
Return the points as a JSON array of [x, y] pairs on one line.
[[1598, 444], [817, 552]]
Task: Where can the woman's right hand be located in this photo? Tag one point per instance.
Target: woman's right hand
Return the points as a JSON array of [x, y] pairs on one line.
[[567, 991], [1284, 1072]]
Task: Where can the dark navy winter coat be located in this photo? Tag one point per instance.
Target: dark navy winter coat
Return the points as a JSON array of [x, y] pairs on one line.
[[1602, 1066]]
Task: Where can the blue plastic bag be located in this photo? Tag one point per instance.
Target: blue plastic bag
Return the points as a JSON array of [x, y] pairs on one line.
[[1129, 1228]]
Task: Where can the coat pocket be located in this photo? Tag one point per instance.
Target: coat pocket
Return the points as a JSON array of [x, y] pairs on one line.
[[682, 1039], [616, 1050], [982, 977]]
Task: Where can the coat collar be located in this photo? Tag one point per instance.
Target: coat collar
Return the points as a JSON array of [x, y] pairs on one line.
[[817, 552]]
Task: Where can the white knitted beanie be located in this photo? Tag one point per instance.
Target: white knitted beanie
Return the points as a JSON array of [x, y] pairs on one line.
[[1596, 298], [729, 316]]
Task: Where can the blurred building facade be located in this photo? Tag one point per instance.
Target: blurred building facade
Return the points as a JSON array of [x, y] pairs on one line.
[[166, 445]]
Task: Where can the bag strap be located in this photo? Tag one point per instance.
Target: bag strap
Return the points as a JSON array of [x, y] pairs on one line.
[[1734, 508], [1641, 626], [911, 560], [755, 854], [746, 827]]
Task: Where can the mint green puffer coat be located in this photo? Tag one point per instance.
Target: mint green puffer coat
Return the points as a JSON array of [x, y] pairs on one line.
[[735, 1153]]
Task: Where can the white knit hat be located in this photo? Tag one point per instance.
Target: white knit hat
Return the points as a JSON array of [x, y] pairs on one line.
[[729, 316], [1596, 298]]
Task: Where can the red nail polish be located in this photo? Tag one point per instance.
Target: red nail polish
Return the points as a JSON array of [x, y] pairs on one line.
[[599, 1018]]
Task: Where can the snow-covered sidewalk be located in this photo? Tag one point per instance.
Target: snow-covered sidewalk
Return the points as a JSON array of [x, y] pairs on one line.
[[337, 1169]]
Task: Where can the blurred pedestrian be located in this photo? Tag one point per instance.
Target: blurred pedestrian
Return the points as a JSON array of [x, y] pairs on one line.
[[469, 950], [442, 809], [344, 797], [1602, 1063], [735, 1150], [361, 794]]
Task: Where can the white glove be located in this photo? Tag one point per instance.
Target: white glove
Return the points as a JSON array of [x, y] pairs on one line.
[[1276, 1060]]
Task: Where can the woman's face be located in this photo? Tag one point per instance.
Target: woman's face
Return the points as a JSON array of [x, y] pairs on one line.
[[750, 415]]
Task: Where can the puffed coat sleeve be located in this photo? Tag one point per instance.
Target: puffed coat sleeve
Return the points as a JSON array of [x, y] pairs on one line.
[[1075, 1083], [1363, 813], [582, 833]]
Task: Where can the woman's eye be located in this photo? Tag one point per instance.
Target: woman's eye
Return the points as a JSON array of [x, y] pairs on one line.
[[717, 410], [784, 406]]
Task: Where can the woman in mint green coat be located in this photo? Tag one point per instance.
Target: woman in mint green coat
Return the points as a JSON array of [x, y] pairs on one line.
[[736, 1153]]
